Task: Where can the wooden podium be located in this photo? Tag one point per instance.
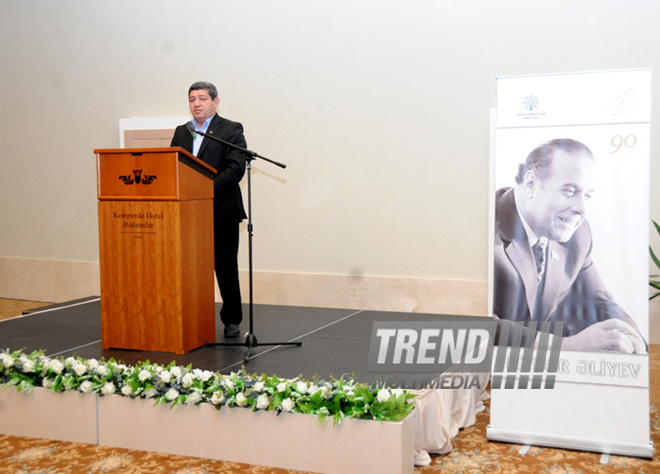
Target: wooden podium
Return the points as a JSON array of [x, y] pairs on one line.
[[156, 249]]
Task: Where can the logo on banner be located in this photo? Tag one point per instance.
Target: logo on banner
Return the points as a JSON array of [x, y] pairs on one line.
[[531, 102], [456, 351], [137, 178], [531, 108]]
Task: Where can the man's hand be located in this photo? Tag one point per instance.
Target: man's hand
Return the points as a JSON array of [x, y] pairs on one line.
[[609, 335]]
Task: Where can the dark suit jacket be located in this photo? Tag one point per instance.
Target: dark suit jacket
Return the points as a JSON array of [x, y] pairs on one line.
[[229, 162], [572, 290]]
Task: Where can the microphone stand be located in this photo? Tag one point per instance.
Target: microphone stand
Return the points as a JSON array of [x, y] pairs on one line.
[[250, 339]]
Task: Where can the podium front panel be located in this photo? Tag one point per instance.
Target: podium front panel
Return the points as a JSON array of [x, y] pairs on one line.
[[138, 175], [156, 275]]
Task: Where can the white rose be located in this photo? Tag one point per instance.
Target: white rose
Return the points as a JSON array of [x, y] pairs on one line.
[[92, 363], [241, 399], [108, 388], [288, 404], [194, 398], [383, 395], [281, 387], [165, 376], [325, 391], [102, 370], [203, 375], [127, 390], [79, 368], [144, 375], [86, 386], [397, 392], [172, 394], [188, 380], [56, 366], [301, 386], [259, 386], [230, 385], [47, 383], [218, 397], [175, 371], [6, 360], [313, 389], [28, 366], [263, 401]]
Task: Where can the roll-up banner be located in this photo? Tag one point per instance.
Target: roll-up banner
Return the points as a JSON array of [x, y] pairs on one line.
[[570, 225]]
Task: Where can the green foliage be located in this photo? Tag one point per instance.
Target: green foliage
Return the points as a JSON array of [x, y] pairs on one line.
[[653, 279]]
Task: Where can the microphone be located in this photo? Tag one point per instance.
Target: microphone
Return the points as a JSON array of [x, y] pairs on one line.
[[191, 129], [250, 155]]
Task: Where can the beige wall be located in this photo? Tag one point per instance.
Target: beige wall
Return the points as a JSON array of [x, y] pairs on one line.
[[379, 109]]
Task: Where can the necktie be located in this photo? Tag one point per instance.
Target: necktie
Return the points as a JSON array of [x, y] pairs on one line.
[[539, 256]]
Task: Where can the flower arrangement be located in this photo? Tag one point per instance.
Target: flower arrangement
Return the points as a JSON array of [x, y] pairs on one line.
[[172, 384]]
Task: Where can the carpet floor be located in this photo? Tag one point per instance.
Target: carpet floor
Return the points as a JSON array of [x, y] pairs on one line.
[[471, 452]]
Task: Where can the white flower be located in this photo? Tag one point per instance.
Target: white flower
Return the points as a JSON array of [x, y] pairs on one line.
[[241, 399], [218, 397], [127, 390], [171, 394], [28, 366], [79, 368], [229, 384], [263, 401], [86, 386], [108, 388], [259, 386], [397, 392], [144, 375], [288, 404], [301, 386], [325, 391], [383, 395], [47, 383], [194, 398], [6, 360], [165, 376], [56, 366], [176, 371], [203, 375], [313, 388], [92, 363], [281, 387], [187, 380], [102, 370]]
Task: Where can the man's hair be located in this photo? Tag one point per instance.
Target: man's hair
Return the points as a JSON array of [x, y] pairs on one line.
[[540, 158], [207, 86]]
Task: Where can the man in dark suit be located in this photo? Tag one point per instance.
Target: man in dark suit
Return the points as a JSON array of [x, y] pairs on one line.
[[543, 266], [228, 210]]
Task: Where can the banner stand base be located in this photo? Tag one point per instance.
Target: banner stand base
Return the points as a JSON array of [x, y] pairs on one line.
[[638, 450]]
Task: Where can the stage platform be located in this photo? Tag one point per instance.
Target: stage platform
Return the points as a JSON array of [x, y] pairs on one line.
[[335, 342]]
